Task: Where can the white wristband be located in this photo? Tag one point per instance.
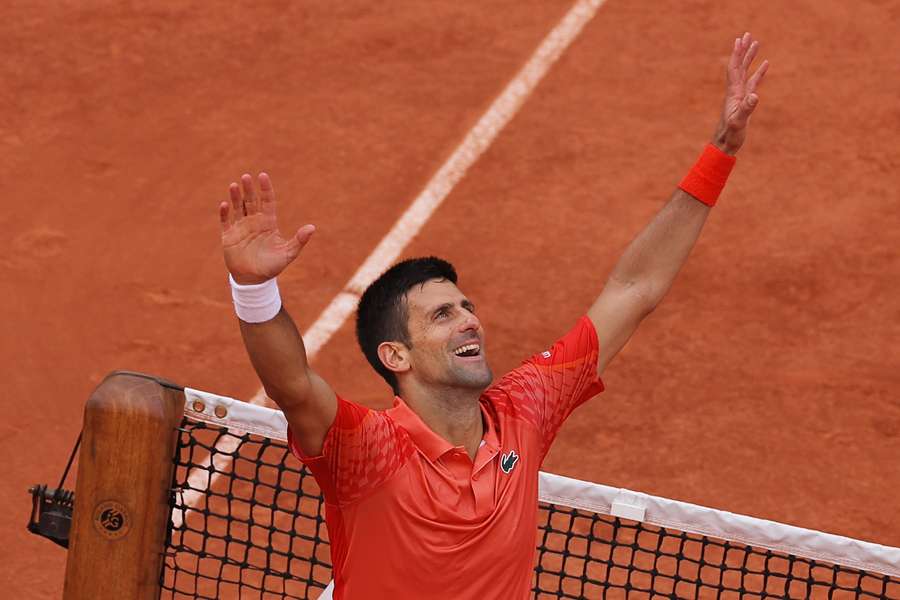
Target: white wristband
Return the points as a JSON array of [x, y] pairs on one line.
[[255, 303]]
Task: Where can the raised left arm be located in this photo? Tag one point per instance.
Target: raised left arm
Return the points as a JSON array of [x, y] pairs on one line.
[[648, 267]]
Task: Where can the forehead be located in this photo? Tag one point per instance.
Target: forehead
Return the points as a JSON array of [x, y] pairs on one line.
[[431, 294]]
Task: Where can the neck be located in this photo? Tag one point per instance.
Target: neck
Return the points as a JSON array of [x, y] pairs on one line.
[[452, 413]]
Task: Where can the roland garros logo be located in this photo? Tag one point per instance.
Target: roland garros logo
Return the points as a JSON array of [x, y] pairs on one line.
[[111, 520]]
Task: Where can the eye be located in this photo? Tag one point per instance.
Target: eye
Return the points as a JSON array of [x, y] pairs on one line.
[[442, 314]]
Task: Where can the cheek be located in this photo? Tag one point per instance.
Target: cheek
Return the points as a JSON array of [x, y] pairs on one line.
[[430, 340], [430, 352]]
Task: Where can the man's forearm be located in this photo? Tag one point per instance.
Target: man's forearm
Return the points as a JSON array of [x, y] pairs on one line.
[[277, 352], [649, 265], [652, 260]]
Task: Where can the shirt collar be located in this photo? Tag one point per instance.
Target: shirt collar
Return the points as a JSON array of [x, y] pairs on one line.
[[431, 444]]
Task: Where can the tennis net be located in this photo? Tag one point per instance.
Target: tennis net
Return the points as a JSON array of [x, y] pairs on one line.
[[248, 522]]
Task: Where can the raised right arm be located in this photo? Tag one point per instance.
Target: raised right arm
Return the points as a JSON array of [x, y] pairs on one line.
[[255, 252]]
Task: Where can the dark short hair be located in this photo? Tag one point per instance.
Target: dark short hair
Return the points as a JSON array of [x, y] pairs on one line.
[[382, 312]]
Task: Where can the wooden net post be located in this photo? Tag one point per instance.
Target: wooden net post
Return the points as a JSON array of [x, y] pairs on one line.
[[122, 494]]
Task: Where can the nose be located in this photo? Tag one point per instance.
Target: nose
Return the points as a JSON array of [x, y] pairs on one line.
[[470, 323]]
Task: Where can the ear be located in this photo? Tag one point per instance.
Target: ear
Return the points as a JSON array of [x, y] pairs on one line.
[[394, 356]]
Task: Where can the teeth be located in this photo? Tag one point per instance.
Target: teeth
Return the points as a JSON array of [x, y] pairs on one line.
[[466, 348]]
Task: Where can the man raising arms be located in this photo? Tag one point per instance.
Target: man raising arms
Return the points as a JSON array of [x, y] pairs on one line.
[[436, 497]]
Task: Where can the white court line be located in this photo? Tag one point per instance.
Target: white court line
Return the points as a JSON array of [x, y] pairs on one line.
[[410, 222]]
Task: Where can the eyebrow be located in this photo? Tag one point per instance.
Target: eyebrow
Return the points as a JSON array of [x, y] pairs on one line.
[[438, 309]]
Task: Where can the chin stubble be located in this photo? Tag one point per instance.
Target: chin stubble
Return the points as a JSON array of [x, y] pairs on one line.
[[472, 378]]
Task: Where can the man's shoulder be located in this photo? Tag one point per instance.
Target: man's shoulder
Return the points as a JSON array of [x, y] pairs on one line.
[[356, 423], [523, 380], [514, 395]]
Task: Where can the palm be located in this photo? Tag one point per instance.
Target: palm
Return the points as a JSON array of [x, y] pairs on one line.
[[254, 245], [731, 114], [254, 249]]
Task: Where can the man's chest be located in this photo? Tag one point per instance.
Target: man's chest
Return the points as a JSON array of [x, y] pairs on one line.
[[456, 488]]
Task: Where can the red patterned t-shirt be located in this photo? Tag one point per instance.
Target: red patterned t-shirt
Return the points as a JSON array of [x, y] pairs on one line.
[[411, 516]]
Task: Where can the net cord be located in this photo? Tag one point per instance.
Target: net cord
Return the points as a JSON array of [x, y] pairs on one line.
[[244, 417]]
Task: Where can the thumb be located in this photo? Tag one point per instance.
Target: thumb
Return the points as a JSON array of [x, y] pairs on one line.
[[300, 239], [742, 114], [751, 101]]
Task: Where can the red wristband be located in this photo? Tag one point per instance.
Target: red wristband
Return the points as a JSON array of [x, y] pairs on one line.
[[707, 177]]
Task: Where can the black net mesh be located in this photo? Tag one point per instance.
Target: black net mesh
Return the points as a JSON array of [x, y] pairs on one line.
[[589, 555], [248, 522]]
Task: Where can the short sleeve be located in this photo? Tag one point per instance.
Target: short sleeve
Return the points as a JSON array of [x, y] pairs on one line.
[[362, 450], [547, 387]]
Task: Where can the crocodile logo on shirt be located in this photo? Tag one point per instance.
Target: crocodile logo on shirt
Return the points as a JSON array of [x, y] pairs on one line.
[[508, 461]]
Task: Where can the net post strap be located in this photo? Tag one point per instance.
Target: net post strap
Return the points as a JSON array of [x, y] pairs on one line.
[[234, 414]]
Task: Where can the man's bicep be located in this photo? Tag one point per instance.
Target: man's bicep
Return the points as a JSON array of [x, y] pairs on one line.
[[312, 414], [616, 315]]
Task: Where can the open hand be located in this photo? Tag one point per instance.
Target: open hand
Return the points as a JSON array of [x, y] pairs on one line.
[[254, 249], [740, 96]]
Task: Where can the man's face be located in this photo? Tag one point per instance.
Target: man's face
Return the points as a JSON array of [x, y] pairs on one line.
[[447, 337]]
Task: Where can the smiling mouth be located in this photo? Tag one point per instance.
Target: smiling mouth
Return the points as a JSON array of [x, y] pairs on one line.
[[470, 350]]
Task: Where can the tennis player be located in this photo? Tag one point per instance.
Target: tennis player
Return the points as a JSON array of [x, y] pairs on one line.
[[436, 497]]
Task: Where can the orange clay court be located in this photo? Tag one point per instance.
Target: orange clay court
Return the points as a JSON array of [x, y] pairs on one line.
[[765, 384]]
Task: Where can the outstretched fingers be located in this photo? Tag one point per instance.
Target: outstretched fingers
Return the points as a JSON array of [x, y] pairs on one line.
[[244, 200], [225, 217], [757, 77], [749, 56], [267, 194], [736, 72], [735, 60], [237, 205], [744, 53], [251, 202]]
